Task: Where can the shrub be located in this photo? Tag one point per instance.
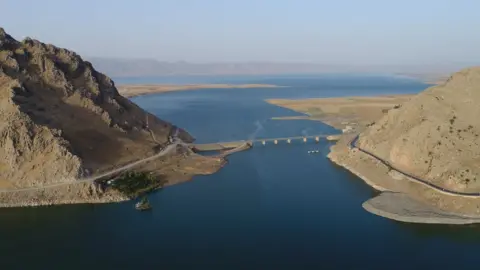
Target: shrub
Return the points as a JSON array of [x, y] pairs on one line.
[[134, 184]]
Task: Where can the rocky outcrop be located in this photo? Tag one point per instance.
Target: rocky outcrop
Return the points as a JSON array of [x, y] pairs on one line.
[[61, 120], [435, 135]]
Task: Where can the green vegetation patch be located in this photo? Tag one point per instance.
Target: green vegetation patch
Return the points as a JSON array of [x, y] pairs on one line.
[[134, 184], [314, 111]]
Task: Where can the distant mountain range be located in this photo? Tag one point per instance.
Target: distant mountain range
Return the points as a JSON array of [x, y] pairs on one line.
[[116, 67], [149, 67]]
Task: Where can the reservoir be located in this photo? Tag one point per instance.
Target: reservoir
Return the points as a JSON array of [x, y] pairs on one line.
[[271, 207]]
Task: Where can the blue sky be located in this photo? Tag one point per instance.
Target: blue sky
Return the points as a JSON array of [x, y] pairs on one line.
[[360, 32]]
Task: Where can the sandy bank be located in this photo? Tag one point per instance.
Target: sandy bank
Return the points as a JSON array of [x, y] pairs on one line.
[[358, 113], [341, 112], [428, 78], [380, 177], [401, 207], [144, 89], [173, 169]]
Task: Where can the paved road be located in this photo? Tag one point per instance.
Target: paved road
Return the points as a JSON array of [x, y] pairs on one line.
[[291, 138], [353, 144], [236, 149], [165, 151]]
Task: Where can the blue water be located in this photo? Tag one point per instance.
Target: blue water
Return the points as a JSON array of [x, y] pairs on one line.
[[272, 207], [345, 81], [235, 114]]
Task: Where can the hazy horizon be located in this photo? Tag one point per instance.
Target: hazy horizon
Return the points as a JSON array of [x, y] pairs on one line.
[[355, 33]]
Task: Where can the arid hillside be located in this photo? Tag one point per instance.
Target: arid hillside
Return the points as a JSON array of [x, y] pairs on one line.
[[435, 135], [61, 120]]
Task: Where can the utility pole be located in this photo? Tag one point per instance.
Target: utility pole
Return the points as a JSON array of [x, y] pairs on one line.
[[149, 130], [146, 120]]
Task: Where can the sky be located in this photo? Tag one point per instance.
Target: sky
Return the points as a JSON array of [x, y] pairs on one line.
[[354, 32]]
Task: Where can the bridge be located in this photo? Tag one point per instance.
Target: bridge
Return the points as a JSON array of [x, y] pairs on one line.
[[235, 144]]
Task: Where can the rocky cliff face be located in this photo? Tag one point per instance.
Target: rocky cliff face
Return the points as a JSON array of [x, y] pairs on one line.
[[60, 119], [435, 135]]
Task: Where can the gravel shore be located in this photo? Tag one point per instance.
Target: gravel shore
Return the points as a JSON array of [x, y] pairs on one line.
[[401, 207]]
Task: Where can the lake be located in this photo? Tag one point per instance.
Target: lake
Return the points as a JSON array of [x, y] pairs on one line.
[[271, 207]]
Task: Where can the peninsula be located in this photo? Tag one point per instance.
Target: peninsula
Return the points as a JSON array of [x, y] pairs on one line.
[[144, 89], [422, 148], [69, 136], [344, 112]]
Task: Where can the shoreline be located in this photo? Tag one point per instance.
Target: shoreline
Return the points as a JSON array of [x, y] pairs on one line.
[[410, 203], [179, 168], [344, 113], [405, 209], [339, 155], [173, 169], [431, 206], [134, 90]]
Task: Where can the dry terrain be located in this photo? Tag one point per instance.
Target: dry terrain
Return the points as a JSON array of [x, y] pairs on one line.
[[380, 177], [429, 78], [341, 112], [62, 121], [433, 135], [144, 89], [401, 207]]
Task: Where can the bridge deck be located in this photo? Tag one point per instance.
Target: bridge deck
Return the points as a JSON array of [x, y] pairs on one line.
[[234, 144], [291, 138]]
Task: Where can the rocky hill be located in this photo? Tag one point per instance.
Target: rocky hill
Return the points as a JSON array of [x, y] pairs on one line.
[[435, 135], [61, 120]]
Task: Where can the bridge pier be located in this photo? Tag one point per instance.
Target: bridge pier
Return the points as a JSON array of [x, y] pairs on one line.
[[304, 139], [263, 142], [289, 140], [275, 142]]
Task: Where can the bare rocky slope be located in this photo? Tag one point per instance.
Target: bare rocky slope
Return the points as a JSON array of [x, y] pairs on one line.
[[61, 120], [435, 135]]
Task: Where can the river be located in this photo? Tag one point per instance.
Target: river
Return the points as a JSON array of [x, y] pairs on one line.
[[271, 207]]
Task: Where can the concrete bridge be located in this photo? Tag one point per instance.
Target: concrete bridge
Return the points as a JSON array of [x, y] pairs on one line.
[[234, 144]]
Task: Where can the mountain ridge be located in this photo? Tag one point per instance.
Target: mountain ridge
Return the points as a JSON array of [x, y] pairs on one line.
[[435, 135], [145, 67], [62, 120]]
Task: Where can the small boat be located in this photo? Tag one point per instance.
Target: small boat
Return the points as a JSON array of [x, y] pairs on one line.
[[143, 204]]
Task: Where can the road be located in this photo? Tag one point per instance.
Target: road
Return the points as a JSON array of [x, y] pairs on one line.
[[165, 151], [242, 147], [266, 140], [353, 145], [291, 138]]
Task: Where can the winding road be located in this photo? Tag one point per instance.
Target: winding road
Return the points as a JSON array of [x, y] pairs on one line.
[[165, 151], [353, 145]]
